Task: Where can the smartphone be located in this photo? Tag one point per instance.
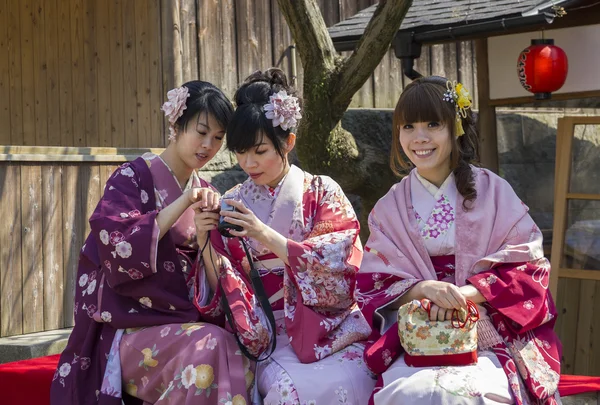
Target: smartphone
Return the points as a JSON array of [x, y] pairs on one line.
[[224, 226]]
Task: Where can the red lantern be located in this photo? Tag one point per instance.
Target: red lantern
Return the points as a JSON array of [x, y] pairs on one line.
[[542, 68]]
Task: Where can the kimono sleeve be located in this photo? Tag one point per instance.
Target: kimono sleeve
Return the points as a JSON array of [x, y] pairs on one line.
[[126, 236], [324, 265], [519, 292]]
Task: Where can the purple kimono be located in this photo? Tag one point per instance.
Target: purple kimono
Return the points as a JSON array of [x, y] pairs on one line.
[[133, 308]]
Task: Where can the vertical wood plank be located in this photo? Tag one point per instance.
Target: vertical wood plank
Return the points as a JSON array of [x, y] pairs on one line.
[[330, 10], [388, 81], [15, 74], [365, 96], [567, 306], [423, 63], [11, 276], [282, 40], [217, 36], [65, 74], [5, 107], [466, 65], [117, 128], [51, 18], [52, 246], [27, 66], [168, 44], [584, 329], [78, 67], [253, 28], [90, 74], [157, 135], [488, 147], [31, 241], [104, 73], [90, 194], [131, 137], [189, 39], [40, 76], [143, 42], [73, 209]]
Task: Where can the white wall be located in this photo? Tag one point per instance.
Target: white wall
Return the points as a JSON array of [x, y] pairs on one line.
[[581, 44]]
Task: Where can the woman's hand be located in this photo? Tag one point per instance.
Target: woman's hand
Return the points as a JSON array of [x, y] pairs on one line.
[[440, 314], [442, 294], [252, 227], [203, 198], [205, 221]]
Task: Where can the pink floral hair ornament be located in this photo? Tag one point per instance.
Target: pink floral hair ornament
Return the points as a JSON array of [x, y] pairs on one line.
[[283, 109], [174, 107]]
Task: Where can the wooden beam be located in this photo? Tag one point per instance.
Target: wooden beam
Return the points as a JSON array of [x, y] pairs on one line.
[[501, 102], [71, 154], [488, 141]]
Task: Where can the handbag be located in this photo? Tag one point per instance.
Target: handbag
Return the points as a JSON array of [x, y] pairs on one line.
[[437, 343]]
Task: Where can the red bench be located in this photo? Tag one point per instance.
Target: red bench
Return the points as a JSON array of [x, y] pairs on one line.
[[28, 382]]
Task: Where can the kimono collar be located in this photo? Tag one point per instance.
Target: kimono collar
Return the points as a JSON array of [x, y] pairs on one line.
[[168, 189], [273, 192], [432, 188]]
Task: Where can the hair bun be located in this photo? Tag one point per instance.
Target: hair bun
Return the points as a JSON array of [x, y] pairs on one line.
[[275, 76]]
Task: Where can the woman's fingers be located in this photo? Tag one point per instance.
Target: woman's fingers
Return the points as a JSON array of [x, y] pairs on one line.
[[238, 205]]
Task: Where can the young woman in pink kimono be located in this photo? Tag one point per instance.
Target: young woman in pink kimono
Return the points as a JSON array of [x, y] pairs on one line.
[[138, 336], [451, 232], [303, 239]]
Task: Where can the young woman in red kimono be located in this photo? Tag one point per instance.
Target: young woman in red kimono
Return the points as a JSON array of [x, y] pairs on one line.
[[451, 232], [302, 235], [138, 337]]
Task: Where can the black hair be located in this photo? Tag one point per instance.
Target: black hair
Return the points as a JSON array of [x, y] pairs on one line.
[[205, 97], [249, 122]]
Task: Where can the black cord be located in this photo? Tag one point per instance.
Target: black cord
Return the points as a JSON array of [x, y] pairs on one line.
[[263, 301]]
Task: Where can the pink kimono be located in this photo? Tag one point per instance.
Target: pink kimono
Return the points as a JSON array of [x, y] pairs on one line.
[[318, 359], [420, 232]]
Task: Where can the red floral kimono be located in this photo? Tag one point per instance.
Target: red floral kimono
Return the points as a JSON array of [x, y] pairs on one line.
[[312, 298]]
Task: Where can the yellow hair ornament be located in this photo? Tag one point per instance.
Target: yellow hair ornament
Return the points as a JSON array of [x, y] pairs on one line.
[[458, 95]]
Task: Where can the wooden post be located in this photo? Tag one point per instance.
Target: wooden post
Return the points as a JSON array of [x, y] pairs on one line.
[[488, 146]]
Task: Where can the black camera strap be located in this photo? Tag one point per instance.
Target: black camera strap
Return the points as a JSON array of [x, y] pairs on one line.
[[263, 301]]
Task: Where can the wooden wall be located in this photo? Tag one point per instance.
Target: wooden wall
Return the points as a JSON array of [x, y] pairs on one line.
[[81, 73], [95, 73], [235, 38], [45, 208]]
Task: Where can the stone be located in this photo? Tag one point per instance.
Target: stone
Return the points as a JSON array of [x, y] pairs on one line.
[[22, 347]]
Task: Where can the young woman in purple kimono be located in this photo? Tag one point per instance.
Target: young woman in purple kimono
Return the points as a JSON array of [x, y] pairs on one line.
[[451, 232], [302, 235], [138, 337]]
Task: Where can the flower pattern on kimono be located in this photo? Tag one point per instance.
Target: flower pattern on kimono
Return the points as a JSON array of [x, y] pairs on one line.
[[205, 376], [83, 280], [528, 357], [104, 237], [165, 331], [91, 287], [106, 316], [169, 266], [116, 237], [458, 382], [322, 351], [135, 274], [440, 220], [85, 363], [144, 196], [64, 370], [188, 376], [124, 249], [127, 171], [528, 305], [146, 302]]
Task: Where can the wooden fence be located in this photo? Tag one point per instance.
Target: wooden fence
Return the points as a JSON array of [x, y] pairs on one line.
[[95, 73]]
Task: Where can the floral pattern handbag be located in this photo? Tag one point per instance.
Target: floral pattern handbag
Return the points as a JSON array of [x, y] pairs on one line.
[[437, 343]]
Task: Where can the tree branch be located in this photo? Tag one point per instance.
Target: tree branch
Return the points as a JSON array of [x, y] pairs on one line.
[[370, 50], [310, 33]]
